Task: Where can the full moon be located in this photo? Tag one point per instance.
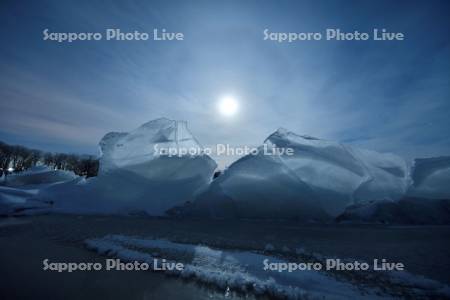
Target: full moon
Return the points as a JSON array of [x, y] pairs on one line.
[[228, 106]]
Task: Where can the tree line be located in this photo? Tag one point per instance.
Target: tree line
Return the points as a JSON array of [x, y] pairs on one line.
[[19, 158]]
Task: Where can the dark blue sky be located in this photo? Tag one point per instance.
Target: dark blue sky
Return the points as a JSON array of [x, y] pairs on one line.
[[386, 96]]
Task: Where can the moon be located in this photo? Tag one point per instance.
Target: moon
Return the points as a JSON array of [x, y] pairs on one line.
[[228, 106]]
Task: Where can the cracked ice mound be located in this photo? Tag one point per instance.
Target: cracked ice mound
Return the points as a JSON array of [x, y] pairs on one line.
[[431, 178], [134, 177], [427, 200], [316, 183], [134, 150]]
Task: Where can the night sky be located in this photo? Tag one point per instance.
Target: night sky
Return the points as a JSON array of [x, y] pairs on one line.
[[389, 96]]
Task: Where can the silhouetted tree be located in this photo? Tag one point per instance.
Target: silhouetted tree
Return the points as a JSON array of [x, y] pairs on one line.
[[21, 158]]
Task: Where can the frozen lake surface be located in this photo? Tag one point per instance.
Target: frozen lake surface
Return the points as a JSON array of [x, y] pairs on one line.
[[27, 241]]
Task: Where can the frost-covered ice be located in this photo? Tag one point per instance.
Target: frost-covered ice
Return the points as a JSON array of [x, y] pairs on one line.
[[316, 183], [134, 178], [244, 271], [238, 270]]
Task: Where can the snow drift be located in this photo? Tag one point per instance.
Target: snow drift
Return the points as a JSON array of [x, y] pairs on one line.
[[316, 183], [18, 191], [14, 201], [38, 175], [134, 177]]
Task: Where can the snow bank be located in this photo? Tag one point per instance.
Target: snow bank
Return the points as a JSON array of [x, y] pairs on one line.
[[317, 182], [134, 177], [431, 178], [38, 175]]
